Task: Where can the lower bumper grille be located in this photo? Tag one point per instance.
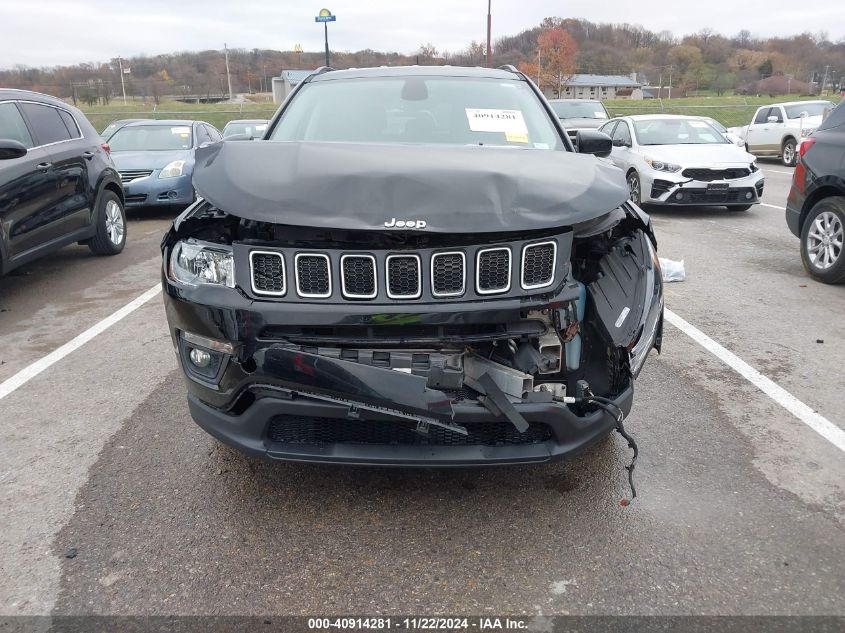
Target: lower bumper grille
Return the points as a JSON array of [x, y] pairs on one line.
[[707, 175], [138, 197], [321, 431]]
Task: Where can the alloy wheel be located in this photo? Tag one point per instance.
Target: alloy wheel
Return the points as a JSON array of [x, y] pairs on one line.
[[789, 153], [824, 240], [634, 188], [114, 222]]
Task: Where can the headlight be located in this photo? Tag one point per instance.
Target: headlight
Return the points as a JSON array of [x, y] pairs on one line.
[[753, 166], [807, 132], [196, 263], [659, 165], [173, 169]]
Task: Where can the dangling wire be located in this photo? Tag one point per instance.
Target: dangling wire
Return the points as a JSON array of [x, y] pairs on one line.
[[609, 406]]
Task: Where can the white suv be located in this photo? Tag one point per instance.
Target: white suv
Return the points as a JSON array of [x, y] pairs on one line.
[[777, 129]]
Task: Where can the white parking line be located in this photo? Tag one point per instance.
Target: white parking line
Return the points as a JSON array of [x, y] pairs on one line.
[[821, 425], [766, 170], [772, 206], [31, 371]]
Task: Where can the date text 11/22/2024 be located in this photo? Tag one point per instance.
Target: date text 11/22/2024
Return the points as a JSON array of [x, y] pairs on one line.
[[418, 623]]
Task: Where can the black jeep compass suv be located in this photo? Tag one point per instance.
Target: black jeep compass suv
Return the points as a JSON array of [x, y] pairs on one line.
[[412, 267]]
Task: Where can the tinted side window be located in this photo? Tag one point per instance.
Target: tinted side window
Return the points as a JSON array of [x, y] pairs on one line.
[[835, 118], [46, 123], [213, 134], [12, 125], [70, 124], [202, 135], [622, 133], [762, 115]]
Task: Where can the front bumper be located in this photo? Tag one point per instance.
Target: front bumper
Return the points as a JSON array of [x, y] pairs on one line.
[[673, 189], [251, 433], [263, 383], [155, 191]]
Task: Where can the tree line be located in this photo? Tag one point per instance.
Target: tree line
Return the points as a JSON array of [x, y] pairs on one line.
[[705, 60]]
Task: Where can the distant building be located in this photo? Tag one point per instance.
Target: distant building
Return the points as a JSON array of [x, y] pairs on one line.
[[600, 86], [284, 84]]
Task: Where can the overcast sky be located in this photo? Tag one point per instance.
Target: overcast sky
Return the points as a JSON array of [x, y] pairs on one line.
[[54, 32]]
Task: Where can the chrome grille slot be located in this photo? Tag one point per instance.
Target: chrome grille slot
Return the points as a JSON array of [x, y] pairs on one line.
[[313, 276], [128, 175], [493, 270], [404, 276], [358, 276], [538, 265], [267, 270], [448, 274]]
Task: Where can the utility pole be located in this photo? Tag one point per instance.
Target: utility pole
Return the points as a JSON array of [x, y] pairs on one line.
[[660, 85], [228, 76], [489, 34], [538, 68], [671, 68], [122, 86], [824, 81]]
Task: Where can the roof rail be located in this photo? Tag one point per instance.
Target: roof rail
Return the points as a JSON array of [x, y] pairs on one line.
[[322, 69], [510, 68]]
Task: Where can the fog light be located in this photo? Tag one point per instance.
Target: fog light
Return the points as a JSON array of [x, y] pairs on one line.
[[679, 196], [200, 357], [748, 195]]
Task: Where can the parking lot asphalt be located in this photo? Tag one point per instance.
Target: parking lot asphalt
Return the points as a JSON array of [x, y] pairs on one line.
[[741, 506]]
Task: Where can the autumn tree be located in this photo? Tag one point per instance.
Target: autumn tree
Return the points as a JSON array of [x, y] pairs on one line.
[[557, 52]]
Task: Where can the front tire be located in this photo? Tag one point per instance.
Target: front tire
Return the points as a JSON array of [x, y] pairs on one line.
[[822, 237], [789, 153], [635, 193], [110, 237]]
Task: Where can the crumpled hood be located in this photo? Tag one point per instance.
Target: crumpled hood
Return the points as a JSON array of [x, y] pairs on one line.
[[149, 160], [362, 186]]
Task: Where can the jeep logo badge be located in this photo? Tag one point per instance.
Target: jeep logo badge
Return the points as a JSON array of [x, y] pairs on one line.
[[393, 223]]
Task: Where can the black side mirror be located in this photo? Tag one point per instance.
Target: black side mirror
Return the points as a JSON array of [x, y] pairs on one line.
[[11, 149], [593, 142]]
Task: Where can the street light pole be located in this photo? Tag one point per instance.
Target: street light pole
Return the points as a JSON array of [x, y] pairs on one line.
[[489, 33], [326, 36]]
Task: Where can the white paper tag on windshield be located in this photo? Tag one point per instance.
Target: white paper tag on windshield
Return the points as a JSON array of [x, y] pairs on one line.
[[698, 124], [180, 130], [260, 128], [488, 120], [600, 115]]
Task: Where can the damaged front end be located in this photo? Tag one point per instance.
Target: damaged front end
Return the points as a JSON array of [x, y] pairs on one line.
[[369, 347]]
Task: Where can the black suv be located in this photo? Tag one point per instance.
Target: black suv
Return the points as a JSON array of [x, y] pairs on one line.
[[57, 181], [815, 209], [412, 267]]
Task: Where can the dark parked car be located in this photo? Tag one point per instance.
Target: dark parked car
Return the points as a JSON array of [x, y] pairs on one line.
[[815, 209], [58, 184], [580, 114], [156, 159], [413, 268]]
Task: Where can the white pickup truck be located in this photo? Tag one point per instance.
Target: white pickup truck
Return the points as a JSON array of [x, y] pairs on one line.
[[777, 129]]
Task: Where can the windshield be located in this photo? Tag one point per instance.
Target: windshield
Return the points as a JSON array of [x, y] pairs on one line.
[[151, 137], [254, 129], [579, 109], [816, 108], [676, 132], [443, 110], [716, 124]]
